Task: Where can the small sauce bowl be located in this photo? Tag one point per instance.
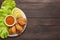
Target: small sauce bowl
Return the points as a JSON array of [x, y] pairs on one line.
[[10, 20]]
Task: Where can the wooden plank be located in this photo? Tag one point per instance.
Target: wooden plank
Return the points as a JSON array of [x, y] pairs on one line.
[[43, 21], [44, 6], [33, 0], [41, 10], [41, 13], [42, 29], [39, 0]]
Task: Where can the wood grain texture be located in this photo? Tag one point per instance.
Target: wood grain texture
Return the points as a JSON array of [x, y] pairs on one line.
[[43, 19]]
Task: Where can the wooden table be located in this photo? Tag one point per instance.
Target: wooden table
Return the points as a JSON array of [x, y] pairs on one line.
[[43, 19]]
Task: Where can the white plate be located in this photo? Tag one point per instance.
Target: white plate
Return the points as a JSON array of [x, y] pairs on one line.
[[24, 16]]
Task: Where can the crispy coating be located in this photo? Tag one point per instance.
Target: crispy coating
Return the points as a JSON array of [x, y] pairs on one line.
[[22, 21], [18, 32], [18, 27], [14, 29], [10, 31]]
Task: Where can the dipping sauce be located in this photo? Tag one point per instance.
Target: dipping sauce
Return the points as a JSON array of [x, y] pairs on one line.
[[10, 20]]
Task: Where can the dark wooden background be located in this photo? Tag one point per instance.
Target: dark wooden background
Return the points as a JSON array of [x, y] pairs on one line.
[[43, 19]]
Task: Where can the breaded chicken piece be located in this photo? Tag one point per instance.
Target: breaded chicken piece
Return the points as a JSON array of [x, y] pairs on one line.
[[18, 27], [22, 21], [10, 31], [13, 29]]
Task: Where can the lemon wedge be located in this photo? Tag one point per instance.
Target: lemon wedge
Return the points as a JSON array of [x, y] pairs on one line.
[[16, 12]]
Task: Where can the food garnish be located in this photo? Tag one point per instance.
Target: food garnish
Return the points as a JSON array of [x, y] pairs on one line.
[[6, 9], [16, 12]]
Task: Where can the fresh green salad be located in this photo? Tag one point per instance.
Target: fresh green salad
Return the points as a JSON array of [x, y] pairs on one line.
[[6, 9]]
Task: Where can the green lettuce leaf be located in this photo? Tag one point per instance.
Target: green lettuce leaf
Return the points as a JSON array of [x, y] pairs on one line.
[[6, 9]]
